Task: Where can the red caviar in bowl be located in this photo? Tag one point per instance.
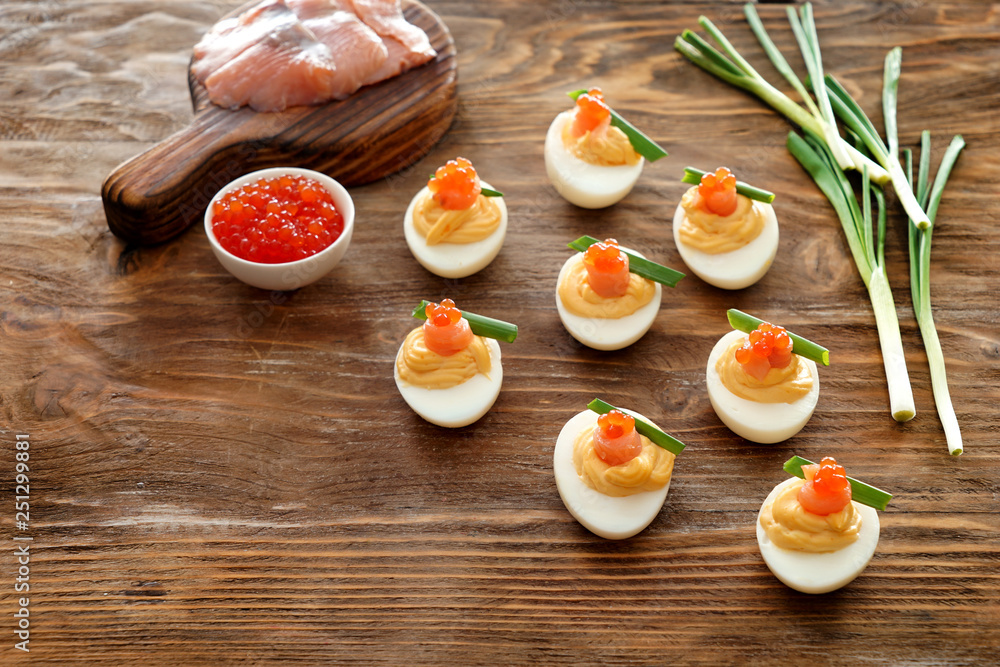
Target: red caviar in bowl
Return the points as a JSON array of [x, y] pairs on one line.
[[718, 192], [591, 111], [615, 439], [446, 332], [607, 268], [277, 220], [455, 185], [768, 346], [827, 489]]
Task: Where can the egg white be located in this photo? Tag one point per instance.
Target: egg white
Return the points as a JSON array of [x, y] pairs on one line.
[[460, 405], [759, 422], [614, 518], [454, 260], [820, 572], [604, 333], [739, 268], [579, 182]]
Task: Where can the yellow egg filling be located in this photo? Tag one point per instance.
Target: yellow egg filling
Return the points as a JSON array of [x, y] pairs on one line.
[[789, 526], [714, 234], [648, 471], [607, 147], [421, 367], [780, 385], [440, 225], [578, 297]]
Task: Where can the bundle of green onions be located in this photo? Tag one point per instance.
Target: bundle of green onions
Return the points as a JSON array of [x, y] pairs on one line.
[[825, 155]]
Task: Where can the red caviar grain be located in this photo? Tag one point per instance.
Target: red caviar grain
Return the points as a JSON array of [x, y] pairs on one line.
[[591, 111], [277, 220], [607, 268], [455, 185], [827, 489], [615, 438], [718, 192], [766, 347]]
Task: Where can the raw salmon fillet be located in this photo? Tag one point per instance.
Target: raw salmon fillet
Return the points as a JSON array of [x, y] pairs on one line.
[[386, 18], [288, 68], [284, 53], [230, 37], [358, 50]]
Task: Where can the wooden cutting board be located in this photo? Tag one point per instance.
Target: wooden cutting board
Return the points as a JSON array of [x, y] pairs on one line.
[[379, 130]]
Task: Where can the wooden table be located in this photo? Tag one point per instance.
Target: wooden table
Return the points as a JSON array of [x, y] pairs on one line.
[[222, 475]]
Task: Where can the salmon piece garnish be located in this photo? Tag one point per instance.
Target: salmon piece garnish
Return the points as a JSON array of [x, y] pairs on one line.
[[592, 113], [446, 332], [607, 269], [718, 192], [615, 439], [766, 347], [827, 489]]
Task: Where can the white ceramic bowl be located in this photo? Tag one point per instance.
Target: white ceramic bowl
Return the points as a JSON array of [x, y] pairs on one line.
[[289, 275]]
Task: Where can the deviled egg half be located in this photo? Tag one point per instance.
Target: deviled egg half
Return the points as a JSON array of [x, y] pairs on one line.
[[812, 535], [590, 162], [759, 387], [456, 225], [613, 480], [445, 372], [726, 239], [600, 302]]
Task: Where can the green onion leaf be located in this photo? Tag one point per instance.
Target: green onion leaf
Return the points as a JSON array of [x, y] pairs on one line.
[[776, 58], [637, 265], [800, 346], [860, 492], [655, 435], [642, 144], [481, 326], [693, 177]]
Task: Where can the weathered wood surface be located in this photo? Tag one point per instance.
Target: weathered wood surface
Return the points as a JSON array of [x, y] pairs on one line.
[[221, 474]]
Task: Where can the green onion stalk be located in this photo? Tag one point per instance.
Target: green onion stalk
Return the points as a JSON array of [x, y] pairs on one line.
[[920, 268], [865, 494], [819, 117], [693, 176], [868, 251]]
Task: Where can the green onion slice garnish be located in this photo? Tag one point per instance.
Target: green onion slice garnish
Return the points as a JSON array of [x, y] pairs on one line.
[[693, 177], [655, 435], [481, 326], [637, 265], [861, 492], [486, 192], [642, 144], [800, 346]]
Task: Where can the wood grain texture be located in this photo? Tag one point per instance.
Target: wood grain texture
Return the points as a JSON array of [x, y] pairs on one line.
[[378, 130], [225, 475]]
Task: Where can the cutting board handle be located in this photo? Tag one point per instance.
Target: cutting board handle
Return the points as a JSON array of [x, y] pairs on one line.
[[159, 193]]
